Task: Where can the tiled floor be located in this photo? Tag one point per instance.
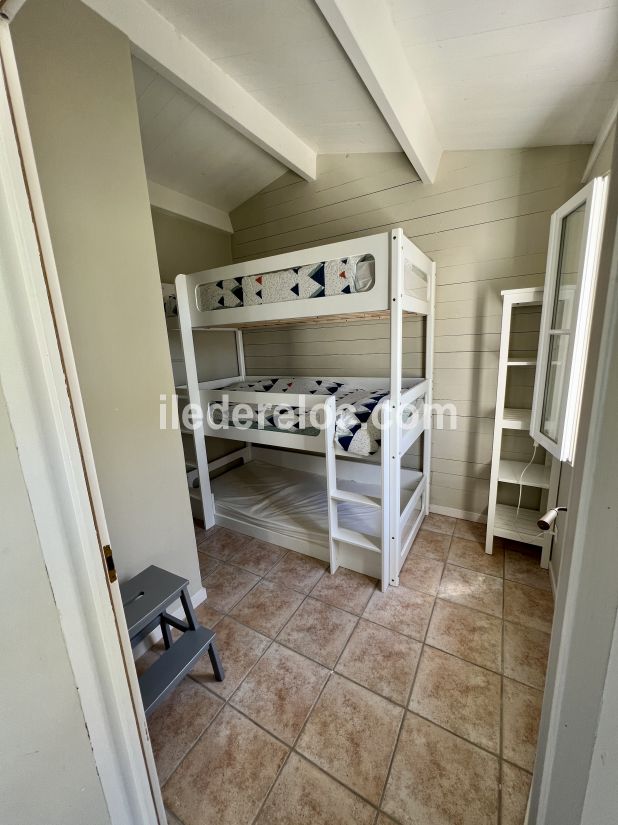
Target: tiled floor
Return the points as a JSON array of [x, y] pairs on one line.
[[347, 706]]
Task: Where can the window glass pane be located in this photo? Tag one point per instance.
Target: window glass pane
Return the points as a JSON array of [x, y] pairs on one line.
[[555, 384], [568, 268]]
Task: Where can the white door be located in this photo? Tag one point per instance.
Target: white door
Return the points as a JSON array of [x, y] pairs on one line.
[[41, 386]]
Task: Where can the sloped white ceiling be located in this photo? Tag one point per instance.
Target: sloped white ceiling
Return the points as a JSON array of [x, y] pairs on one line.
[[512, 73], [493, 73], [190, 150], [285, 55]]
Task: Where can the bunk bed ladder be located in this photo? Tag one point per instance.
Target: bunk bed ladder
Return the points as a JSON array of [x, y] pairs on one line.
[[337, 533]]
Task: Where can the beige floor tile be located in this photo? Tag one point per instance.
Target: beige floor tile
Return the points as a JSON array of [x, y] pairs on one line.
[[474, 530], [297, 571], [351, 734], [146, 659], [528, 606], [227, 775], [258, 556], [208, 564], [280, 691], [515, 791], [319, 631], [467, 633], [227, 585], [171, 819], [267, 607], [401, 609], [439, 524], [471, 554], [421, 573], [520, 723], [381, 660], [431, 544], [525, 654], [472, 589], [305, 795], [201, 533], [222, 543], [207, 615], [384, 820], [345, 589], [438, 779], [239, 648], [177, 724], [522, 565], [459, 696]]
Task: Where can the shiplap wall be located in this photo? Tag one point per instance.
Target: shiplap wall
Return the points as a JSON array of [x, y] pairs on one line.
[[485, 222]]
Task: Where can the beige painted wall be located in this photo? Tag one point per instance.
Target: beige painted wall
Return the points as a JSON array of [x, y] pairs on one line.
[[485, 222], [187, 246], [78, 87], [45, 744]]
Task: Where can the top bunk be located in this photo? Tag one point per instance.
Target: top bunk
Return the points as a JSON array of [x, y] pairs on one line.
[[365, 277]]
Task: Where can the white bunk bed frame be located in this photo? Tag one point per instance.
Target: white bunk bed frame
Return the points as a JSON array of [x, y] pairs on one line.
[[390, 297]]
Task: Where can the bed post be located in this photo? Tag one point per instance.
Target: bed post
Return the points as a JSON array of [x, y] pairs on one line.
[[186, 333], [391, 499], [429, 335], [328, 434]]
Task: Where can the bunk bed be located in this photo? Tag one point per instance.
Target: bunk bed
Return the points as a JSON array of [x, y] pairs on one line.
[[335, 488]]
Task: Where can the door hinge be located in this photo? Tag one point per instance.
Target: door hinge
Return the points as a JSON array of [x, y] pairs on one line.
[[109, 562]]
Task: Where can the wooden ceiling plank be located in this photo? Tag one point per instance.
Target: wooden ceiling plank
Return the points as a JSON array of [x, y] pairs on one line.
[[159, 44], [366, 31]]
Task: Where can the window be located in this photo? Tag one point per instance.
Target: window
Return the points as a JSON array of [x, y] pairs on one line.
[[572, 264]]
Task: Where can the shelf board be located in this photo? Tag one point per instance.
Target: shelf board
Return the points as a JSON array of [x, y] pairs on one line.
[[518, 527], [537, 475], [521, 362], [516, 419]]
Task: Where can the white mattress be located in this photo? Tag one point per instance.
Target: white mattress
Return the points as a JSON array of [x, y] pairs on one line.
[[292, 502]]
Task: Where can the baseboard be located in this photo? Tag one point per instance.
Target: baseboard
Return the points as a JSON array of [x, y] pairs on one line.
[[452, 511], [156, 635]]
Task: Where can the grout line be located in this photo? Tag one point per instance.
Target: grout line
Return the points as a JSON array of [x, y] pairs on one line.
[[410, 692], [293, 748], [501, 738]]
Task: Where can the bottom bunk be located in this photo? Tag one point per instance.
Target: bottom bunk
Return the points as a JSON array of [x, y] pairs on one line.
[[282, 498]]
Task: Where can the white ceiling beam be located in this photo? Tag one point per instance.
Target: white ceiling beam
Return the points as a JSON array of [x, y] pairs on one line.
[[165, 49], [602, 136], [171, 201], [366, 31]]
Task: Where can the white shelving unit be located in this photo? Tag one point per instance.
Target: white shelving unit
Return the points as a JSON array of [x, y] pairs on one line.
[[503, 520]]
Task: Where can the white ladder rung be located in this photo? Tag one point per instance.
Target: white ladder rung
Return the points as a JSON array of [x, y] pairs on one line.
[[357, 539], [356, 498]]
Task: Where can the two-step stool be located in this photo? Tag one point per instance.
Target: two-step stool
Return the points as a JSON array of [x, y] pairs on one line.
[[145, 599]]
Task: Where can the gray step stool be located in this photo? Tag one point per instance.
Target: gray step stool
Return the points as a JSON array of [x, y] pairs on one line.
[[145, 599]]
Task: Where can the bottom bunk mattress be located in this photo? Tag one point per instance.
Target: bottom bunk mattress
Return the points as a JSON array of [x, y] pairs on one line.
[[294, 503], [356, 427]]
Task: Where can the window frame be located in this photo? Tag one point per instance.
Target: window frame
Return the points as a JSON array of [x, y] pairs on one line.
[[593, 195]]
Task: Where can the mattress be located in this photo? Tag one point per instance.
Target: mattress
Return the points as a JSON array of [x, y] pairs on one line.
[[342, 276], [293, 502], [356, 428]]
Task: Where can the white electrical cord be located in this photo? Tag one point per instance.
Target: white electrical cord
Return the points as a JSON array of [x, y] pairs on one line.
[[521, 479]]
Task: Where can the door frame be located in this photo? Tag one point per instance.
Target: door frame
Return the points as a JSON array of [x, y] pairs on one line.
[[587, 594], [40, 385]]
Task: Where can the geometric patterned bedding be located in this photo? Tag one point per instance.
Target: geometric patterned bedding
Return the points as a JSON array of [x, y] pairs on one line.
[[355, 432], [318, 280]]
